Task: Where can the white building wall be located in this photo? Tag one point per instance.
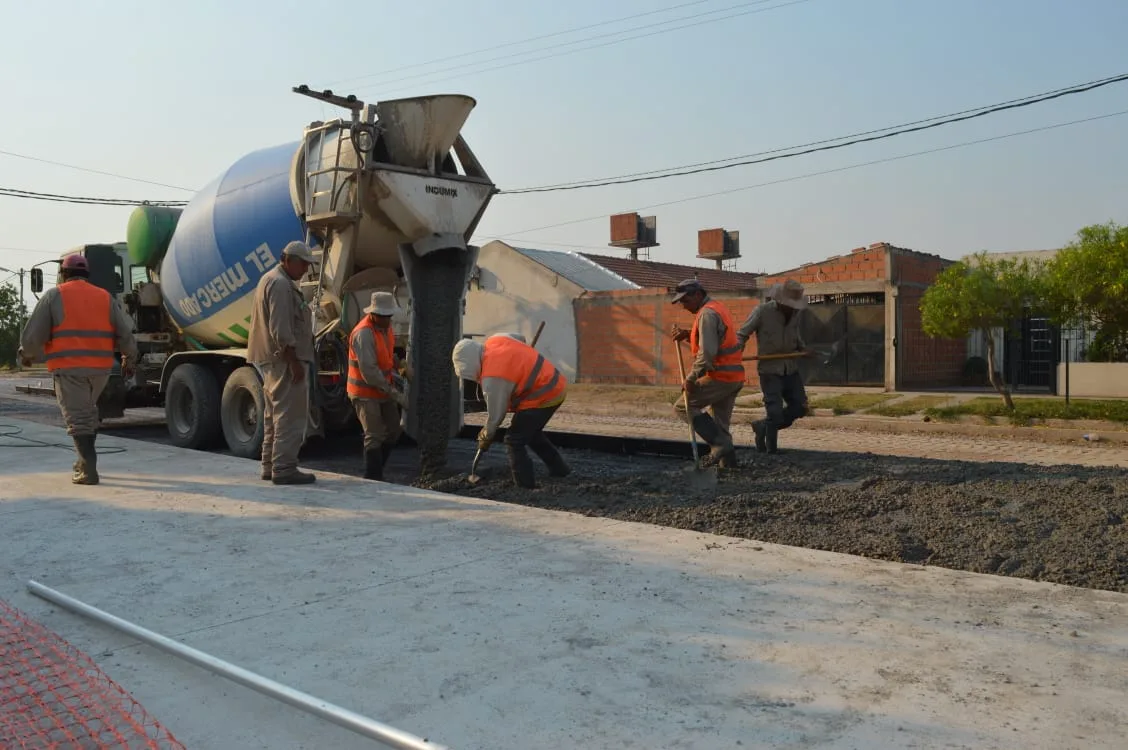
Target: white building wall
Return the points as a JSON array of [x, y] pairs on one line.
[[513, 293]]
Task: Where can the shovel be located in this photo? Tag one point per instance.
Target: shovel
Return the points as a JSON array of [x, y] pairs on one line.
[[700, 479], [474, 478]]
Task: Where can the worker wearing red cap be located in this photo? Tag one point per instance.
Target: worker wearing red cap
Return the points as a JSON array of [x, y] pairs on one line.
[[78, 326], [716, 376]]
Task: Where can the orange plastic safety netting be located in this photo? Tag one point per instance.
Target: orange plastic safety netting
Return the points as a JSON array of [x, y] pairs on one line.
[[54, 696]]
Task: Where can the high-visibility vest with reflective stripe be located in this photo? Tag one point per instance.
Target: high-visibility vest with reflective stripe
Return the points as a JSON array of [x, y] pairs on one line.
[[84, 338], [537, 382], [357, 387], [728, 366]]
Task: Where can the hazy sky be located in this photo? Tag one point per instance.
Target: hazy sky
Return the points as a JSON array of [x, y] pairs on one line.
[[175, 92]]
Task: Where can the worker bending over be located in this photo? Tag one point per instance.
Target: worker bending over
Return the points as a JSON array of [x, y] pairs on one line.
[[717, 373], [281, 345], [515, 378], [776, 325], [76, 326], [371, 382]]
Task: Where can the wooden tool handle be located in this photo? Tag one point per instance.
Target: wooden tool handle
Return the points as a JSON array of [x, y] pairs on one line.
[[536, 336], [788, 355]]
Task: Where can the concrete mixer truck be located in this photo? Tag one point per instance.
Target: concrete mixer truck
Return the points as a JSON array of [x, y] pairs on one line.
[[387, 197]]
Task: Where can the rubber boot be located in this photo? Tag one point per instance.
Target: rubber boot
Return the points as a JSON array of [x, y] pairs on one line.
[[386, 452], [771, 438], [86, 468], [759, 428], [720, 444], [557, 466], [522, 468], [374, 464]]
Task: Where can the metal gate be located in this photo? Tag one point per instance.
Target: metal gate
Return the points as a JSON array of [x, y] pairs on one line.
[[1031, 355], [848, 333]]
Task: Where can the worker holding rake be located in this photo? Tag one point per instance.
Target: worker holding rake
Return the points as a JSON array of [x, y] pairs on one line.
[[717, 374]]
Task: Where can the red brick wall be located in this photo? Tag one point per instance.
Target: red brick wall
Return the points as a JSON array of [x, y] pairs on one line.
[[864, 263], [923, 362], [624, 337]]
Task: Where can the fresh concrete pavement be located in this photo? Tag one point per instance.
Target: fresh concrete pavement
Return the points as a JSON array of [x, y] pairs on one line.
[[484, 625]]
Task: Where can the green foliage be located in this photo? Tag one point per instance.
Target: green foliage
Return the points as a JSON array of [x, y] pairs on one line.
[[979, 296], [12, 315], [1088, 282], [1029, 409], [848, 403]]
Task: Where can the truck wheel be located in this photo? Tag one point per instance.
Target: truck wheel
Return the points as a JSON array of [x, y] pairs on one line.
[[240, 411], [192, 407]]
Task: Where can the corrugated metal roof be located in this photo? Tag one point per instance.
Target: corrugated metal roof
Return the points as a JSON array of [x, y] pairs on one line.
[[579, 270], [652, 273]]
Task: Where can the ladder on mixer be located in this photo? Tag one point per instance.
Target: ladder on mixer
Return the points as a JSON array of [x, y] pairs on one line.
[[323, 208]]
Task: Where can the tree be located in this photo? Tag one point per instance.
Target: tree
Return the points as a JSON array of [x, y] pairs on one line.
[[1087, 282], [13, 314], [982, 295]]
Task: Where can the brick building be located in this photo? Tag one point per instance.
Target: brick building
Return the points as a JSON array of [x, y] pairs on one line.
[[863, 320]]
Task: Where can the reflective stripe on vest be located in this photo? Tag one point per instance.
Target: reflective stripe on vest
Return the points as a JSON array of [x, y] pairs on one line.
[[727, 365], [537, 381], [84, 338], [357, 386]]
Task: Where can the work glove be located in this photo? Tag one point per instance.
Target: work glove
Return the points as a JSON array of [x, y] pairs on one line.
[[25, 361], [485, 440]]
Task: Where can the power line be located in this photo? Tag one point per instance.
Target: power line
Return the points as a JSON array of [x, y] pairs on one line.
[[808, 175], [30, 194], [829, 146], [93, 171], [519, 42], [590, 47]]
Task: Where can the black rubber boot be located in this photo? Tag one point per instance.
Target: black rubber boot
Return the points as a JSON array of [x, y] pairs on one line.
[[86, 468], [720, 444], [522, 468], [556, 464], [386, 452], [771, 438], [759, 428], [374, 464], [294, 477]]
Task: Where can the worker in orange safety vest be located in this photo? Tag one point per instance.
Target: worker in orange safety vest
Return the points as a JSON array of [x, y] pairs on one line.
[[716, 376], [371, 382], [515, 378], [77, 327]]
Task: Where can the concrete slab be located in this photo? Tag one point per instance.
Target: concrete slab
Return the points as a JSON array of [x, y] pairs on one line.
[[483, 625]]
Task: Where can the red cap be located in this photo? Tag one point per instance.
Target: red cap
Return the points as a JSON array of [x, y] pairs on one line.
[[74, 262]]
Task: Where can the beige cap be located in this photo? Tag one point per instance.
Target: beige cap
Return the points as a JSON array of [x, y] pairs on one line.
[[299, 250]]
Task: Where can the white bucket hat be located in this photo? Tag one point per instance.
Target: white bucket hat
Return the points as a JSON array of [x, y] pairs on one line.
[[299, 250], [790, 294], [383, 303]]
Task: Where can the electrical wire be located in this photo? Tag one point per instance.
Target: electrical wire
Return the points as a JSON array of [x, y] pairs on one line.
[[30, 194], [93, 171], [813, 148], [15, 432], [518, 42], [589, 39], [603, 216]]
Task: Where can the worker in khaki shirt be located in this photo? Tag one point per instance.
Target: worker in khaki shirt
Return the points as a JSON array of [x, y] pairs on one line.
[[371, 382], [776, 325], [281, 345], [716, 376], [516, 378], [77, 326]]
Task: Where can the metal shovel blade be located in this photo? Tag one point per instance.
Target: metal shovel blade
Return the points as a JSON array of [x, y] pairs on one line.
[[701, 479]]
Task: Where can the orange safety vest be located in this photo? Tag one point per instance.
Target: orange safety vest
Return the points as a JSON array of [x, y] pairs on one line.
[[538, 383], [728, 366], [85, 335], [357, 387]]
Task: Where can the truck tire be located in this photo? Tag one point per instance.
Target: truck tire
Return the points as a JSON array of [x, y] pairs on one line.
[[192, 407], [240, 412]]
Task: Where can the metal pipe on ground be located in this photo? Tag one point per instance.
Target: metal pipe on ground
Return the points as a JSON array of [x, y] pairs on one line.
[[342, 717]]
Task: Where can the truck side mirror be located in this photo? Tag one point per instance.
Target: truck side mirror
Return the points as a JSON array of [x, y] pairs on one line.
[[37, 280]]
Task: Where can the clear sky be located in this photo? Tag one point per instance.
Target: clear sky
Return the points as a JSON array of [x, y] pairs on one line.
[[175, 92]]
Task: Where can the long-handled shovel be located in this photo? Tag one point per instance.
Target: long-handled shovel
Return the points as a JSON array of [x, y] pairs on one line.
[[474, 478], [700, 479]]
